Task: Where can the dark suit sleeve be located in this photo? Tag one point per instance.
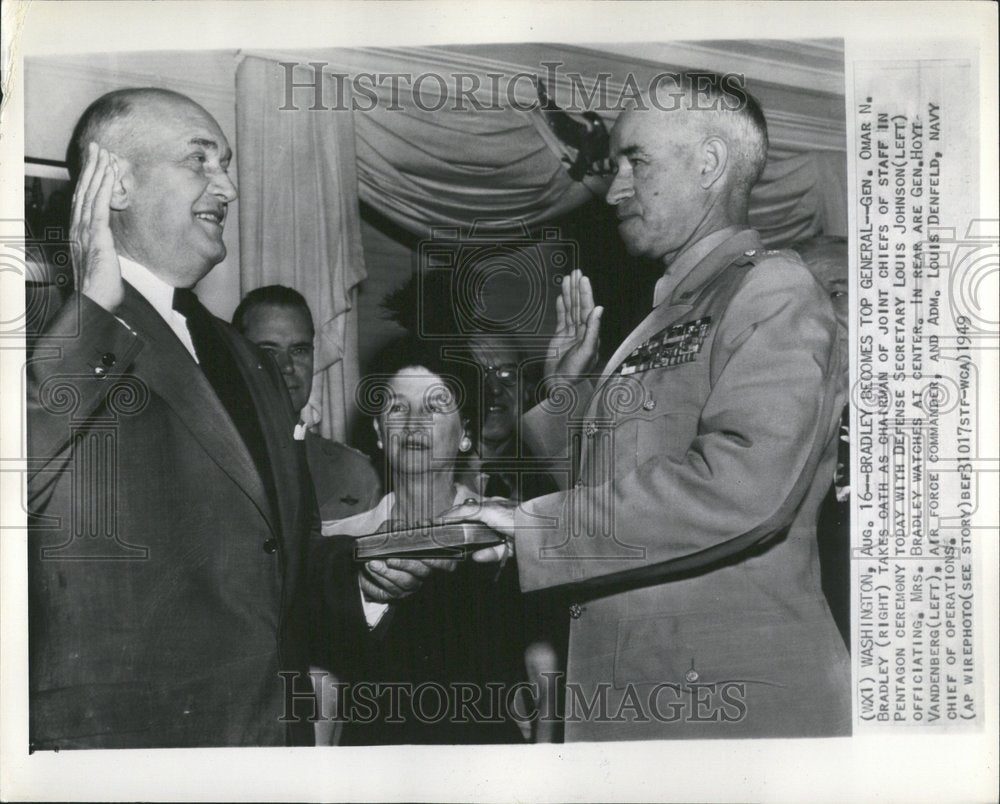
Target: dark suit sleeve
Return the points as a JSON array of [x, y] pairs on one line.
[[338, 627], [74, 367]]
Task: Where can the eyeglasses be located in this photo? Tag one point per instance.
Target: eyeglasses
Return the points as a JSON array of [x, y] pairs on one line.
[[507, 373]]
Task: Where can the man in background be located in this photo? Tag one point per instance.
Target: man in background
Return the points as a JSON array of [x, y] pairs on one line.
[[278, 320], [826, 258]]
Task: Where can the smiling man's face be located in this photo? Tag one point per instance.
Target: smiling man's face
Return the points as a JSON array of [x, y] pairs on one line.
[[176, 191]]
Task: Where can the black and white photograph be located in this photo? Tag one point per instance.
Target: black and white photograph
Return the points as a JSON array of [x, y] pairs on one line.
[[536, 400]]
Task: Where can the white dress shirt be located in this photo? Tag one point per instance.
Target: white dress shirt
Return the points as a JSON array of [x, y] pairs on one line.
[[160, 295]]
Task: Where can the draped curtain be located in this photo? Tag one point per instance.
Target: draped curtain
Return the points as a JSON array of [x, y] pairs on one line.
[[448, 167], [300, 224], [801, 197], [424, 163]]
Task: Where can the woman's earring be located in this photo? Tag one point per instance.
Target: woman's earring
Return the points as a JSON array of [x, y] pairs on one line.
[[465, 444]]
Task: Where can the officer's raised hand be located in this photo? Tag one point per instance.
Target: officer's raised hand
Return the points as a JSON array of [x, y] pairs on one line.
[[573, 348]]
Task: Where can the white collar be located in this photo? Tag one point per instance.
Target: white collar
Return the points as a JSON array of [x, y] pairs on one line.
[[153, 289], [160, 296]]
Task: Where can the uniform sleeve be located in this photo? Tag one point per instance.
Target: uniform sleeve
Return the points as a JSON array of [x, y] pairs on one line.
[[545, 428], [761, 430]]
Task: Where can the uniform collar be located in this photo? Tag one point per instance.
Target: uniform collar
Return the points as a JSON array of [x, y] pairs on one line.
[[685, 262]]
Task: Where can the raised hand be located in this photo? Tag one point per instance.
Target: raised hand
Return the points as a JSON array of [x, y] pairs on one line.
[[573, 348], [96, 269]]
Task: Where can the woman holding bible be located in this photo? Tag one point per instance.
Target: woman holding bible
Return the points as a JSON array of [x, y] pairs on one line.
[[446, 665]]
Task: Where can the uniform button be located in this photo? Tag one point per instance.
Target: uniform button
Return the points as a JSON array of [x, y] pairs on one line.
[[750, 253], [109, 359], [691, 676], [270, 546], [590, 430], [100, 371], [649, 404], [576, 611]]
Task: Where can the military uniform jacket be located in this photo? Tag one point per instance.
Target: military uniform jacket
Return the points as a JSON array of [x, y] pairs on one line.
[[345, 481], [167, 595], [688, 537]]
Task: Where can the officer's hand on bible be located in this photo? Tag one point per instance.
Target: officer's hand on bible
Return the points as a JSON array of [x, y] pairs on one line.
[[495, 514]]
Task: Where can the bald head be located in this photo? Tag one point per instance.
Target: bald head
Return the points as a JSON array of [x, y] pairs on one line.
[[119, 121], [172, 189]]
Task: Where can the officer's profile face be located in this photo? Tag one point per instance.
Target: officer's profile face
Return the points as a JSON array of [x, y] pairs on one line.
[[655, 189], [176, 191], [287, 334]]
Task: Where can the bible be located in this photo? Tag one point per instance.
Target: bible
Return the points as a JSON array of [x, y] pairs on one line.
[[451, 540]]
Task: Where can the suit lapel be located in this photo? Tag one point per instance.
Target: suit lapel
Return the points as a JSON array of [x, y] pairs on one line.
[[277, 420], [175, 377]]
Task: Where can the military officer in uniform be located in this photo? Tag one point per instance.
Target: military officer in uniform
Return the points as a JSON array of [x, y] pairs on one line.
[[278, 320], [706, 444]]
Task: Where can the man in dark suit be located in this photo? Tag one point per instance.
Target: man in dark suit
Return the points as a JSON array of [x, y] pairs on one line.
[[174, 581], [278, 320]]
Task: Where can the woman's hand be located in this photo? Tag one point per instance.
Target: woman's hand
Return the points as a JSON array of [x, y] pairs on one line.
[[383, 581]]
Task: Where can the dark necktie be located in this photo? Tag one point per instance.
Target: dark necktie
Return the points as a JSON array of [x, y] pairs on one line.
[[220, 369]]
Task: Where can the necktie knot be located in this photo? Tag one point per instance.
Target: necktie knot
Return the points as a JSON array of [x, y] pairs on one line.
[[186, 302]]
